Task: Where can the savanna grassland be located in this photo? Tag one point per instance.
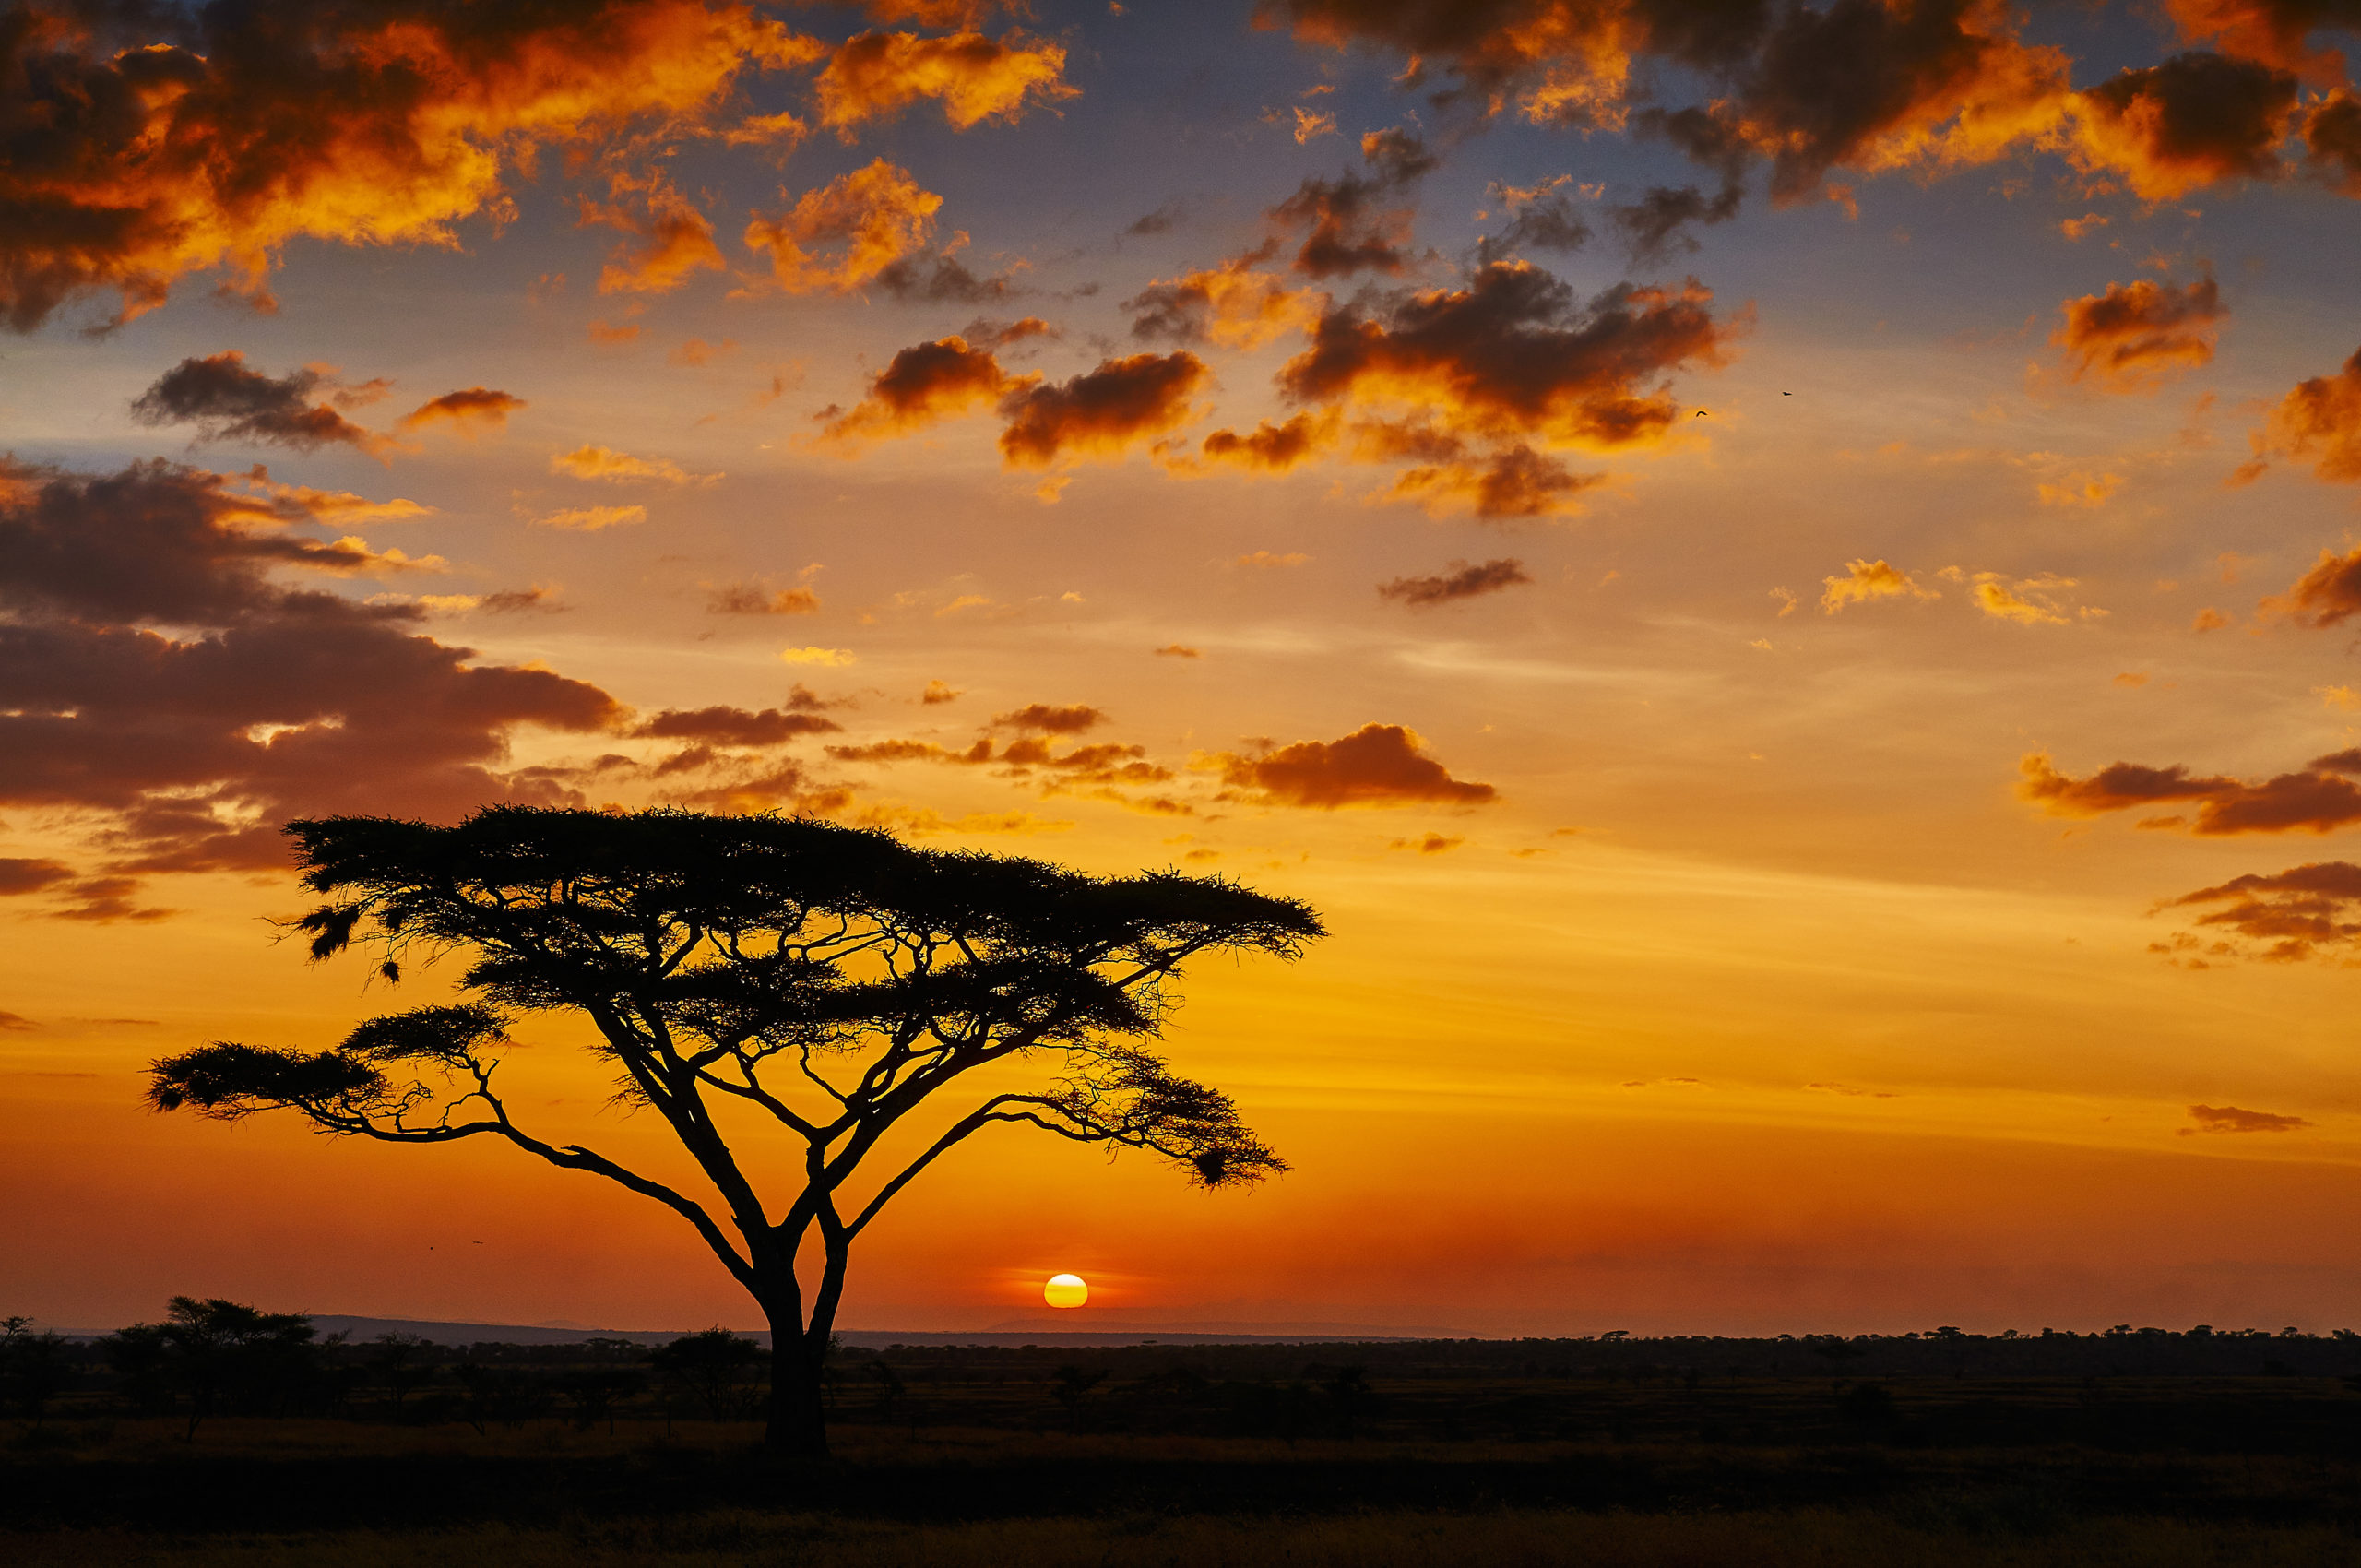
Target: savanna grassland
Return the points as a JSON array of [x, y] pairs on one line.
[[2160, 1450]]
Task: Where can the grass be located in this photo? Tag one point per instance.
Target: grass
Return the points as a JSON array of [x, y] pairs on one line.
[[1379, 1539]]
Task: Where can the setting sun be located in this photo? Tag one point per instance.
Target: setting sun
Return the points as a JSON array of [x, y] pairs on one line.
[[1065, 1290]]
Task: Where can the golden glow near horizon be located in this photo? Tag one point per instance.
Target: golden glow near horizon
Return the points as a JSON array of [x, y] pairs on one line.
[[1805, 661], [1065, 1290]]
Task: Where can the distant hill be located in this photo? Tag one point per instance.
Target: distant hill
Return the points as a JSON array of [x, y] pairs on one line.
[[1023, 1331]]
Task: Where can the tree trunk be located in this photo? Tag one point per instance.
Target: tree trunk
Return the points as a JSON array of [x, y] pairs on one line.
[[797, 1427]]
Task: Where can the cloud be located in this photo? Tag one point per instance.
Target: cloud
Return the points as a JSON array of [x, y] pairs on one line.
[[1541, 218], [1865, 581], [1265, 560], [1234, 305], [1459, 581], [1102, 413], [1269, 448], [228, 401], [465, 409], [743, 599], [1378, 765], [165, 682], [1511, 355], [2136, 336], [2327, 594], [2005, 600], [920, 387], [20, 877], [149, 144], [2273, 32], [1518, 482], [944, 277], [2332, 141], [606, 463], [2231, 1119], [1656, 225], [2195, 119], [1178, 650], [938, 691], [845, 233], [590, 519], [1348, 224], [676, 240], [2319, 799], [1050, 720], [2295, 914], [736, 726], [876, 75], [828, 657], [2319, 419]]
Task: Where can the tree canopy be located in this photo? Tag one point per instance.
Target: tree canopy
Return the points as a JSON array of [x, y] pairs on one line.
[[831, 979]]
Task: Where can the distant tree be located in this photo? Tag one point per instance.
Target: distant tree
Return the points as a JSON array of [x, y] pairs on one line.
[[402, 1362], [32, 1367], [718, 1369], [1070, 1384], [220, 1355], [832, 979]]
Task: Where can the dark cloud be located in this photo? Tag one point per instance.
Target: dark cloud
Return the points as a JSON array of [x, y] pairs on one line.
[[1540, 219], [1356, 222], [735, 726], [2233, 1119], [1656, 225], [2293, 914], [1513, 355], [1102, 413], [2319, 799], [2136, 334], [1271, 448], [744, 599], [511, 601], [943, 277], [19, 877], [1459, 581], [145, 144], [1158, 222], [2188, 122], [1049, 718], [228, 401], [2273, 32], [2332, 141], [1378, 765], [920, 386], [1513, 484], [161, 678]]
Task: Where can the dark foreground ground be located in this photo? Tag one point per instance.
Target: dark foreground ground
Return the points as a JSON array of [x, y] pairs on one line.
[[1155, 1465]]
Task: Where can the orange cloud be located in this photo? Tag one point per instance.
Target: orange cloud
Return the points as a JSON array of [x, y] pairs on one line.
[[1233, 305], [465, 409], [365, 126], [2273, 32], [590, 519], [2318, 420], [606, 463], [2327, 594], [1865, 581], [675, 241], [848, 230], [1517, 483], [2332, 141], [739, 598], [2321, 798], [1050, 720], [1102, 413], [1378, 765], [1271, 448], [879, 73], [920, 387], [2137, 335], [2188, 122], [1511, 355]]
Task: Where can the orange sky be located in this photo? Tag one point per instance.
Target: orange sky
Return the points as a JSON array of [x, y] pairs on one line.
[[1664, 547]]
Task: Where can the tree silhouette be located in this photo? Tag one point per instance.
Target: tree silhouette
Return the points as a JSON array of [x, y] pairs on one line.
[[831, 980]]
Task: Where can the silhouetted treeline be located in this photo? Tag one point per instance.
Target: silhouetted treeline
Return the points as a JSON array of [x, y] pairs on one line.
[[214, 1357]]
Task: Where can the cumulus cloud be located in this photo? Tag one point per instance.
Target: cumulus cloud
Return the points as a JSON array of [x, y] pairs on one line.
[[1049, 718], [1458, 581], [467, 410], [1540, 218], [876, 75], [1102, 413], [1378, 765], [147, 144], [1515, 482], [1512, 356], [2028, 601], [2195, 119], [1268, 448], [1235, 305], [2317, 420], [1353, 223], [920, 387], [848, 230], [2332, 141], [738, 726], [2136, 336], [164, 679], [2273, 32], [2319, 799], [674, 239], [227, 400], [2327, 594], [1867, 581]]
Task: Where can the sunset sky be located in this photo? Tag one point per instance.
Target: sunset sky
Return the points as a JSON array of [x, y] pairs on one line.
[[1785, 577]]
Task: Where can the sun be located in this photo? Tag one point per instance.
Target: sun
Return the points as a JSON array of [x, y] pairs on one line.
[[1065, 1290]]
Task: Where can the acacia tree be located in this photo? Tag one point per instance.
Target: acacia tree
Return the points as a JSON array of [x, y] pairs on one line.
[[831, 981]]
